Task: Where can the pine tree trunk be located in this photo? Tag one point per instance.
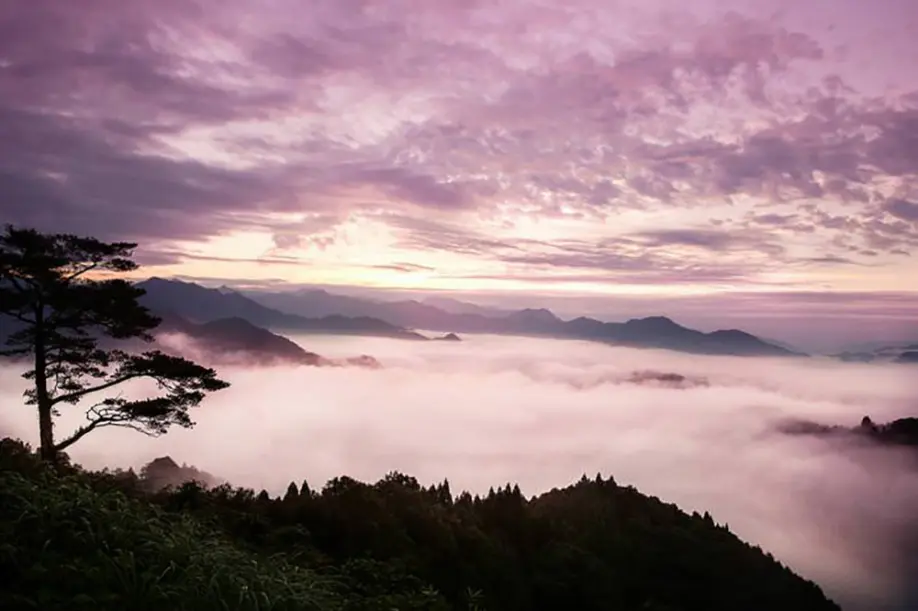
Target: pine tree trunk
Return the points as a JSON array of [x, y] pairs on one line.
[[45, 422], [46, 434]]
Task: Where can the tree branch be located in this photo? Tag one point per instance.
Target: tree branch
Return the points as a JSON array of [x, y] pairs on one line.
[[80, 272], [98, 419], [15, 283], [87, 391], [19, 317], [78, 434]]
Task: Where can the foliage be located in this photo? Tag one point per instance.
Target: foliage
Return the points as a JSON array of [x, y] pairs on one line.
[[394, 544], [67, 546], [59, 291], [73, 540]]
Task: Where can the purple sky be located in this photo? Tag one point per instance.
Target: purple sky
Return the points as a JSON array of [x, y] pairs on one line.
[[588, 149]]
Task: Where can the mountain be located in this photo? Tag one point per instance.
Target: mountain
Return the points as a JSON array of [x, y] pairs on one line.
[[313, 311], [897, 433], [662, 332], [215, 339], [199, 304], [454, 306], [237, 335], [897, 353], [163, 472], [881, 346], [237, 341], [314, 302], [856, 357], [780, 344], [650, 332]]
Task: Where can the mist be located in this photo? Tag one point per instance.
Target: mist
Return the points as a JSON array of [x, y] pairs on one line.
[[541, 413]]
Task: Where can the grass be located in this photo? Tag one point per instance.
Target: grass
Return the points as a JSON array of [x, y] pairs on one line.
[[67, 546]]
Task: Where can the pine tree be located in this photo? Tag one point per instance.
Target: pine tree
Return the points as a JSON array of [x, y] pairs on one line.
[[61, 301]]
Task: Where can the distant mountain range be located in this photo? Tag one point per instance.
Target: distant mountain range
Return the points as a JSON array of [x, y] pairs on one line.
[[652, 332], [319, 311], [225, 312], [199, 304], [905, 353]]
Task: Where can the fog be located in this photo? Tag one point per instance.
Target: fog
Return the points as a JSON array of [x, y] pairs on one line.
[[491, 410]]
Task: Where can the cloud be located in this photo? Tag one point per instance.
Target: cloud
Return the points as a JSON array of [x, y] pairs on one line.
[[553, 410], [709, 239], [165, 121], [901, 209], [406, 268], [420, 234]]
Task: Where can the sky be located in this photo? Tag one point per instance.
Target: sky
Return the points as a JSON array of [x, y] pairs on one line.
[[734, 151], [541, 413]]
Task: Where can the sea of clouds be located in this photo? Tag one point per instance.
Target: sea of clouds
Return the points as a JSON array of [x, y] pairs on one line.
[[490, 410]]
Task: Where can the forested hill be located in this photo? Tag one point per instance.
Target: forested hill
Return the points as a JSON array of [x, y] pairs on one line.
[[80, 540]]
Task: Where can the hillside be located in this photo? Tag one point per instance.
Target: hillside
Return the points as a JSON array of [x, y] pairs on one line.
[[394, 544], [238, 341], [223, 341], [237, 336], [200, 304]]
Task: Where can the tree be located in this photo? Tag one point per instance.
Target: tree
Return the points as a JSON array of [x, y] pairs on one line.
[[67, 312], [292, 492]]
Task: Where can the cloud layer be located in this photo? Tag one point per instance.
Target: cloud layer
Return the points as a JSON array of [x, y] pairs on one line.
[[640, 143], [542, 412]]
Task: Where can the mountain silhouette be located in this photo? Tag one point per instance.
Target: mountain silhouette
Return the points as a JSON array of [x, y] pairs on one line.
[[649, 332], [238, 335], [199, 304], [359, 316], [237, 339], [449, 337], [902, 432], [902, 353]]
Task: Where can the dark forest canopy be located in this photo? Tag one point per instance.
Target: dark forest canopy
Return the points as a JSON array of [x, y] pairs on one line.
[[350, 545]]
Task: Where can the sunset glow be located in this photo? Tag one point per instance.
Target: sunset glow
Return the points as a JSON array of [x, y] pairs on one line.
[[605, 148]]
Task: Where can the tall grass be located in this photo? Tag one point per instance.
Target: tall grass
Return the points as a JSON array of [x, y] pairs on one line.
[[64, 545]]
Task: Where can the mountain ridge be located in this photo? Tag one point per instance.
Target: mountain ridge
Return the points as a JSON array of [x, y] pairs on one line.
[[649, 332], [200, 304]]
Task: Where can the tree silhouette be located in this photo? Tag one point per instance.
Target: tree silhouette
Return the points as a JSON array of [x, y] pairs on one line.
[[292, 492], [65, 308]]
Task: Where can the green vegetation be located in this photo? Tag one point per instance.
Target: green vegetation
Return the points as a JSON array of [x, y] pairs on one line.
[[73, 539]]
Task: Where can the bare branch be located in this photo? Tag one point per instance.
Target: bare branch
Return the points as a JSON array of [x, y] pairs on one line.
[[100, 417], [77, 435], [80, 272], [20, 317], [16, 285], [88, 391]]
